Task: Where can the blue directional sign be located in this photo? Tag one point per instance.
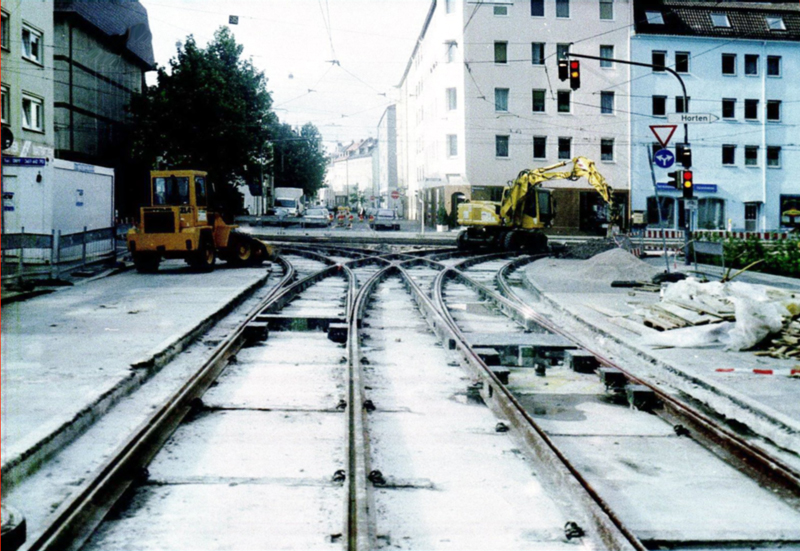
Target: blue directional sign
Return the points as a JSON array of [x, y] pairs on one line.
[[664, 158]]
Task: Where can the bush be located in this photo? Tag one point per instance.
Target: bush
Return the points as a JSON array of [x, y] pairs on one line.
[[780, 257]]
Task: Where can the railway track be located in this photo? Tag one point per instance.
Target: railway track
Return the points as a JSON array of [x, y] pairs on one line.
[[348, 411]]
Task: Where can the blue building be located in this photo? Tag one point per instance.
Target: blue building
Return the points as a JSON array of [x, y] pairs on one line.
[[738, 61]]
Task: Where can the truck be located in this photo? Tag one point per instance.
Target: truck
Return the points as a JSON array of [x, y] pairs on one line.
[[289, 201], [181, 222], [516, 223]]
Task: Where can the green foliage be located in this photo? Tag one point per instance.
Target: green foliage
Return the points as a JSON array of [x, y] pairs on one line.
[[212, 112], [441, 217], [357, 198], [781, 257], [299, 158]]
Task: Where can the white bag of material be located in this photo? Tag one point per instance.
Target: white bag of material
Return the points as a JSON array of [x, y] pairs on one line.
[[691, 337], [755, 319]]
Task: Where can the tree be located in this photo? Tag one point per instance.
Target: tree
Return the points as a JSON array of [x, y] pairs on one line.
[[211, 112], [299, 159]]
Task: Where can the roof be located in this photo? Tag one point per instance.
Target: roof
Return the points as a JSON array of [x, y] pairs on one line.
[[125, 20], [748, 19]]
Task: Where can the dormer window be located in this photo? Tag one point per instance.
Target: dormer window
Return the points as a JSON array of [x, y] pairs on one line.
[[654, 17], [720, 20], [775, 23]]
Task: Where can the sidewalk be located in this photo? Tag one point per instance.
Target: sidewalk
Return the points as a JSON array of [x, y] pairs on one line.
[[70, 355], [769, 404]]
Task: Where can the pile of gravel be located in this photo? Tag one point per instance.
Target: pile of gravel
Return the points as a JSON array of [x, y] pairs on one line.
[[612, 265], [589, 249]]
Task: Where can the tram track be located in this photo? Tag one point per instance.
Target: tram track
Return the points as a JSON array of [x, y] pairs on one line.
[[343, 406]]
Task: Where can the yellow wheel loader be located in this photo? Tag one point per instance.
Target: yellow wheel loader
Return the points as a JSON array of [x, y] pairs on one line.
[[180, 223], [517, 221]]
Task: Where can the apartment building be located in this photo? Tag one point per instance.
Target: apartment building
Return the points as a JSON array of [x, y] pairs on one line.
[[737, 60], [351, 171], [480, 100]]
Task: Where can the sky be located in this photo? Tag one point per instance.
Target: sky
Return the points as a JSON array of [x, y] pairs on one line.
[[294, 43]]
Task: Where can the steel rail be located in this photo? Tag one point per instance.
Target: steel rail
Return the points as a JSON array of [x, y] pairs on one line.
[[751, 459], [607, 532], [77, 518]]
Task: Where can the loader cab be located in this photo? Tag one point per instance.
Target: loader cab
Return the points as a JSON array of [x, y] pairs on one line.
[[179, 188], [539, 207]]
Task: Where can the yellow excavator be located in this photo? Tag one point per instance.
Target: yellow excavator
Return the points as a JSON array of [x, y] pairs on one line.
[[180, 223], [517, 221]]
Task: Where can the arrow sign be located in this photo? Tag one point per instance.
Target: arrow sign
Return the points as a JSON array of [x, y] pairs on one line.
[[692, 118], [664, 158], [663, 132]]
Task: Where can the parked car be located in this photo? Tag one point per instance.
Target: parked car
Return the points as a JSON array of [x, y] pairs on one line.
[[317, 216], [384, 219]]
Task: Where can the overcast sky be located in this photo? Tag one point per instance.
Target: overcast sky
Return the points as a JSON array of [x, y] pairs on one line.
[[294, 41]]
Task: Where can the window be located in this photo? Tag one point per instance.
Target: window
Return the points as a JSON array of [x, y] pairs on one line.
[[537, 53], [501, 99], [775, 23], [751, 109], [773, 110], [538, 101], [562, 8], [6, 101], [655, 147], [450, 48], [659, 106], [500, 10], [728, 64], [774, 156], [681, 62], [501, 146], [449, 6], [5, 32], [728, 154], [751, 216], [751, 64], [751, 155], [563, 101], [452, 145], [565, 148], [606, 9], [501, 52], [540, 147], [31, 44], [654, 17], [607, 149], [720, 20], [32, 113], [562, 50], [607, 103], [537, 8], [710, 213], [606, 51], [773, 65], [679, 106], [728, 108], [452, 99], [659, 59]]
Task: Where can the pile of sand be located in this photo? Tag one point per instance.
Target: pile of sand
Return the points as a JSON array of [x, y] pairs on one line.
[[612, 265]]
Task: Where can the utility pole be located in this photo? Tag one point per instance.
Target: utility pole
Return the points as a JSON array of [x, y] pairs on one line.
[[687, 218]]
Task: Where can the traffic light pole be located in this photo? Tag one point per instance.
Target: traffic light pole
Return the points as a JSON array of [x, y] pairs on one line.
[[687, 213]]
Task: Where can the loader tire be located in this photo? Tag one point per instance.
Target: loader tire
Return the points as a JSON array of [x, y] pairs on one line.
[[515, 241], [242, 253], [205, 257], [462, 241], [146, 263]]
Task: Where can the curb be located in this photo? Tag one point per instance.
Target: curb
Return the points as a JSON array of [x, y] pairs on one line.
[[19, 467], [737, 406]]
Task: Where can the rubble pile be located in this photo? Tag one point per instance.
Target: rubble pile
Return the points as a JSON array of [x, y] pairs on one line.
[[583, 251], [615, 264]]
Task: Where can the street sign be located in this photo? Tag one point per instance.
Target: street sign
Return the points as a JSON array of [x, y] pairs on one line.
[[692, 118], [664, 158], [395, 194], [663, 132]]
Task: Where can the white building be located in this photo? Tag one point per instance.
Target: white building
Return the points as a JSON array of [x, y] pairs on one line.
[[480, 100], [386, 182], [351, 168]]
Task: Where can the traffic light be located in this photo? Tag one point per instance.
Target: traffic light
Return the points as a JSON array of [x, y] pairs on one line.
[[675, 179], [563, 69], [574, 74], [683, 152], [687, 183]]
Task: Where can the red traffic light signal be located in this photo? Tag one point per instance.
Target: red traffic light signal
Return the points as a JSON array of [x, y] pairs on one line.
[[574, 74], [687, 183]]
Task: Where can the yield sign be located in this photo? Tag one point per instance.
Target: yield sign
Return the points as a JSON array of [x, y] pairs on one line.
[[661, 130]]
